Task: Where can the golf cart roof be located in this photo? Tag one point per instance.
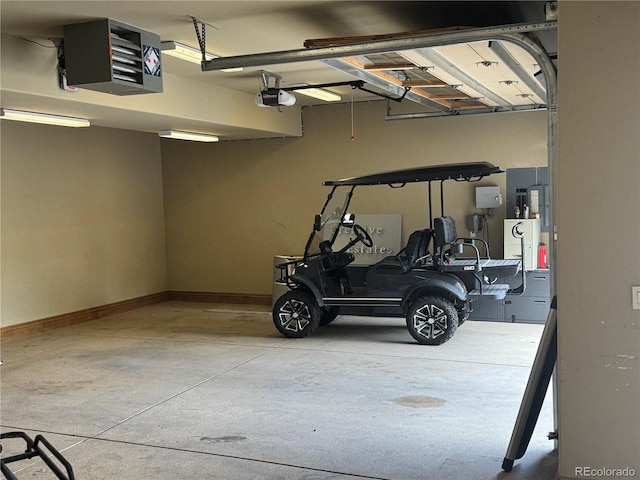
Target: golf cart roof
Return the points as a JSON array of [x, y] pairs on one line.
[[453, 171]]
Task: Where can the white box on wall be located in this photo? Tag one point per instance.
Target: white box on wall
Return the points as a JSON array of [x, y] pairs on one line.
[[488, 197]]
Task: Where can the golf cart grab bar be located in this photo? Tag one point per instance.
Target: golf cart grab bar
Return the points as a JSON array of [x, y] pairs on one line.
[[287, 269], [472, 243]]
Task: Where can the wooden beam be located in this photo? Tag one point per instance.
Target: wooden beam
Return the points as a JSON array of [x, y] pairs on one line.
[[328, 42], [424, 83], [448, 96], [463, 104], [390, 66]]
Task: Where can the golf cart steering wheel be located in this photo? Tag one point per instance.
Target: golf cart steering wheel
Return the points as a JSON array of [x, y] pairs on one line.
[[362, 235]]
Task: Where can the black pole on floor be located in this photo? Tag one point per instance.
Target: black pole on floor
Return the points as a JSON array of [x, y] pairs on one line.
[[537, 387]]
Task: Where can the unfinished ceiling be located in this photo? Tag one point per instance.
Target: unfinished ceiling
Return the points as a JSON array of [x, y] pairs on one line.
[[475, 76], [483, 75]]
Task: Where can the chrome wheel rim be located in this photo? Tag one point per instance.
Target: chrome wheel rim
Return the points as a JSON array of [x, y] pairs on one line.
[[294, 315], [430, 321]]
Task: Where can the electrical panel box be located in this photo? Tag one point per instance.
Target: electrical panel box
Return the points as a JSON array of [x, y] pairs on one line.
[[488, 197], [112, 57], [529, 186], [539, 203]]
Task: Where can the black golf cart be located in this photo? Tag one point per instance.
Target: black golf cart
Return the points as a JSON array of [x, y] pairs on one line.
[[431, 281]]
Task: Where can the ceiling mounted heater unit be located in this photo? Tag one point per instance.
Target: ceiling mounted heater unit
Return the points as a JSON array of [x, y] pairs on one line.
[[111, 57]]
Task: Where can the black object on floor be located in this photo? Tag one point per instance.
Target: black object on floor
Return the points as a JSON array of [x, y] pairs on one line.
[[34, 449]]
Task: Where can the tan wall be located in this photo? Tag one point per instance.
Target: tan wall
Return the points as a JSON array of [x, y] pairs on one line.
[[230, 207], [599, 229], [82, 219]]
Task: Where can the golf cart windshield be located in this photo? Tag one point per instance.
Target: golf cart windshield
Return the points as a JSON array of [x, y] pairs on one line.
[[333, 216]]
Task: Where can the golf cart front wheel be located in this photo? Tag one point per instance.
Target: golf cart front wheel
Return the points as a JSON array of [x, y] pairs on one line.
[[296, 314], [432, 320]]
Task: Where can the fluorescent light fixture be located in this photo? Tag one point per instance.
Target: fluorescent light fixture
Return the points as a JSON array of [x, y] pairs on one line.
[[190, 54], [319, 93], [231, 70], [47, 119], [184, 52], [194, 137]]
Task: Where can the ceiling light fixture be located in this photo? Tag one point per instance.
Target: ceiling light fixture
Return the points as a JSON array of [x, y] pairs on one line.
[[190, 54], [194, 137], [45, 118], [319, 93], [184, 52]]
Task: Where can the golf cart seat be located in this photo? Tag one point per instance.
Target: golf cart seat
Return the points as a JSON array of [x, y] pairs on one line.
[[412, 255], [447, 242]]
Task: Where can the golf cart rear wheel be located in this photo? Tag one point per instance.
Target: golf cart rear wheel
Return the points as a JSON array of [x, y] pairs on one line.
[[296, 314], [432, 320], [328, 315]]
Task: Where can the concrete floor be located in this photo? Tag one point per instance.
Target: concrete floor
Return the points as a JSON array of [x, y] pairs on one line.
[[202, 391]]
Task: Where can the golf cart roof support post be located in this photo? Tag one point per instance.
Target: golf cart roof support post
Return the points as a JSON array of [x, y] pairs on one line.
[[442, 198], [329, 197], [430, 209]]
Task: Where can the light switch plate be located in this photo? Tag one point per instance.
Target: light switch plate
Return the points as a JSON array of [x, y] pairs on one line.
[[635, 302]]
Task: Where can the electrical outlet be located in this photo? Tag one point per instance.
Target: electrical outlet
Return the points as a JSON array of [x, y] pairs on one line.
[[635, 300]]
